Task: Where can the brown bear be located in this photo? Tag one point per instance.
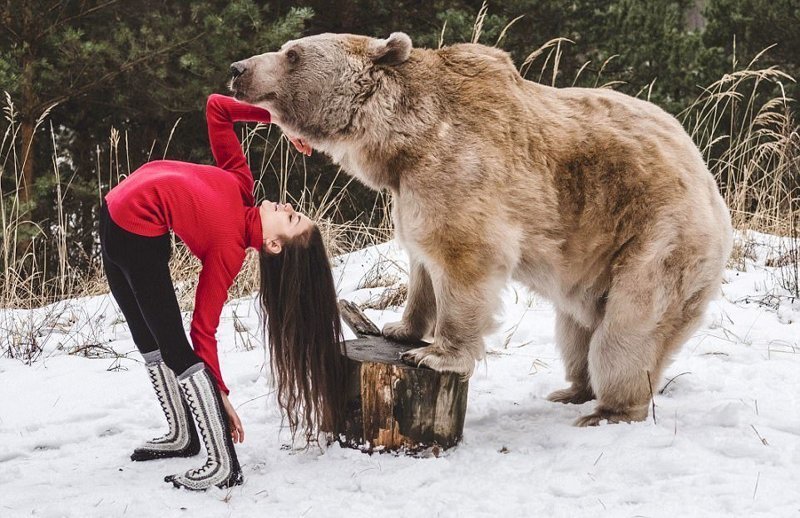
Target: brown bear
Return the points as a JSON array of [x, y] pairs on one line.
[[596, 200]]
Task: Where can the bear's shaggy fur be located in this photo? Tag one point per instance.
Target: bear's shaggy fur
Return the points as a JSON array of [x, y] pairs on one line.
[[596, 200]]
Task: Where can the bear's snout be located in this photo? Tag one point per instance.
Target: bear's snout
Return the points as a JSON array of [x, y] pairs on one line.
[[240, 79], [238, 69]]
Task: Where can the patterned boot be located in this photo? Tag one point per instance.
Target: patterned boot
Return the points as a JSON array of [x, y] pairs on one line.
[[222, 467], [181, 440]]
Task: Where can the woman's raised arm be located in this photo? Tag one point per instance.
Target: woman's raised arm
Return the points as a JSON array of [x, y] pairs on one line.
[[221, 112]]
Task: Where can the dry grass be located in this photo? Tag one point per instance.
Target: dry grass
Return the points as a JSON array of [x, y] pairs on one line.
[[749, 139], [34, 300], [385, 273], [744, 251], [752, 149], [391, 297]]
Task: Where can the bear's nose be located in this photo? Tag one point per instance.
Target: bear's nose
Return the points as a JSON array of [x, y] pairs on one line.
[[237, 69]]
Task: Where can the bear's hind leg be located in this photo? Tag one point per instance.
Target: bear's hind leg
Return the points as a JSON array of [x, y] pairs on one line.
[[625, 349], [653, 307], [573, 341], [622, 366], [627, 376]]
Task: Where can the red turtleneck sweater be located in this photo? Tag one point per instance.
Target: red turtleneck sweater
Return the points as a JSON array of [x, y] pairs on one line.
[[210, 208]]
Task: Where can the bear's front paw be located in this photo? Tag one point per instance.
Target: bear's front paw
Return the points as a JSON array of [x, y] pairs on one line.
[[439, 360], [401, 332]]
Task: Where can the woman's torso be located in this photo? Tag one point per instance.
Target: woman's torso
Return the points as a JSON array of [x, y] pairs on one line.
[[202, 204]]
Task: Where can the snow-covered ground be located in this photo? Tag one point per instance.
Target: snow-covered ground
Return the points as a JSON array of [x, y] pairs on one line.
[[725, 440]]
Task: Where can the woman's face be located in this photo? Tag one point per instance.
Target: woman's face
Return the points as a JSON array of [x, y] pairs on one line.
[[280, 224]]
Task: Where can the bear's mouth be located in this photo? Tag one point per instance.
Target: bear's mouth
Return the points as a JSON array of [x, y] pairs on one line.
[[236, 90], [242, 94]]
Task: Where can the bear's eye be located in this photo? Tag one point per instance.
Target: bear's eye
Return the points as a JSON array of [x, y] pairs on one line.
[[292, 56]]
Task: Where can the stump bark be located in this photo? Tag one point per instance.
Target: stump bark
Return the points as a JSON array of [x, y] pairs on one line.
[[392, 405]]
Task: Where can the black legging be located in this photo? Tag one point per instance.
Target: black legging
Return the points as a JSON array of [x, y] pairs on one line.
[[137, 268]]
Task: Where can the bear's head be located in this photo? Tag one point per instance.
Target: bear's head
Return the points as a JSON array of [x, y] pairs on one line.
[[314, 86]]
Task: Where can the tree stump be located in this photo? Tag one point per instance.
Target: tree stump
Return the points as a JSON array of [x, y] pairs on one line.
[[394, 406]]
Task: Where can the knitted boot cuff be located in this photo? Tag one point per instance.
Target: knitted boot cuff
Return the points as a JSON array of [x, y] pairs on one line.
[[152, 357], [197, 367]]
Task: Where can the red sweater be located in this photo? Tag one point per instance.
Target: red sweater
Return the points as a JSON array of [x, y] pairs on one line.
[[210, 208]]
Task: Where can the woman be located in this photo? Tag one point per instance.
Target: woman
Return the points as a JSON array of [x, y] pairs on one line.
[[212, 210]]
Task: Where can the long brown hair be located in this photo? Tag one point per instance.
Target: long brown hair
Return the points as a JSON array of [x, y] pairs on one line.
[[303, 330]]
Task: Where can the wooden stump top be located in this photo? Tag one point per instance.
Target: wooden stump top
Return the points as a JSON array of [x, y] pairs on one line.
[[380, 350]]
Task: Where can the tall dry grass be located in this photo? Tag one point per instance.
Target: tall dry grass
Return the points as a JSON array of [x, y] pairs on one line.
[[34, 300], [750, 139], [746, 132]]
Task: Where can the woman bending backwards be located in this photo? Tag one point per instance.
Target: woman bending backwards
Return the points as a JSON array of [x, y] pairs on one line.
[[212, 210]]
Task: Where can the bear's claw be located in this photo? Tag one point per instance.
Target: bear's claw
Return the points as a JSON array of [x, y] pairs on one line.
[[433, 358]]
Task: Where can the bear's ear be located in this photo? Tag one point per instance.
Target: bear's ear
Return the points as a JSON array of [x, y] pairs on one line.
[[391, 51]]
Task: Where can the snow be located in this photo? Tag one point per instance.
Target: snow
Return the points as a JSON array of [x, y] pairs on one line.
[[725, 440]]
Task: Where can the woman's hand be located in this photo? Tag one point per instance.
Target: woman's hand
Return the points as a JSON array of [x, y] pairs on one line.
[[237, 431], [301, 145]]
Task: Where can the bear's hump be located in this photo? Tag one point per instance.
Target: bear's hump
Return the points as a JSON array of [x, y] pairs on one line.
[[474, 60]]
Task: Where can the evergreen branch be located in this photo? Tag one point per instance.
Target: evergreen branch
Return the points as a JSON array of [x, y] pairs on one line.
[[59, 23], [110, 75]]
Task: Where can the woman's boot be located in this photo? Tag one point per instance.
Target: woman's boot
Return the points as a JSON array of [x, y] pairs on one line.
[[222, 467], [181, 440]]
